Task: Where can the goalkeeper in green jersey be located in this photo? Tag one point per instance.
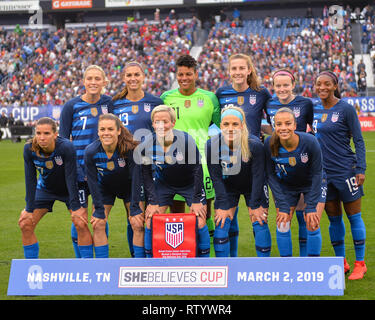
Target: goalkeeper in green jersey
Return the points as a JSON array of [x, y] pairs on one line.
[[196, 109]]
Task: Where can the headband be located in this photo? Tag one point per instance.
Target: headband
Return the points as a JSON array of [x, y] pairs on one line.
[[134, 63], [329, 74], [232, 112], [283, 73]]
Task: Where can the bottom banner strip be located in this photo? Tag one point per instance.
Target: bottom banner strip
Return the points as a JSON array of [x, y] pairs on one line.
[[190, 276]]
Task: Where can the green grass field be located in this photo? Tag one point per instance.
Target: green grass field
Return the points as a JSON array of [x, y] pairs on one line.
[[53, 233]]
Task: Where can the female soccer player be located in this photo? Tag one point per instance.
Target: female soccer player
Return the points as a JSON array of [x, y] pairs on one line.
[[335, 123], [294, 166], [236, 165], [283, 82], [245, 92], [175, 159], [55, 160], [134, 106], [111, 173], [79, 122]]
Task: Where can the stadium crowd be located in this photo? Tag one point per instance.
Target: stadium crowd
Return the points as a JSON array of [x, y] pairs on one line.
[[57, 60]]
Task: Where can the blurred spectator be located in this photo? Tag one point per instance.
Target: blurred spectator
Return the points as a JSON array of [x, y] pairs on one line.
[[362, 84], [10, 120], [3, 119]]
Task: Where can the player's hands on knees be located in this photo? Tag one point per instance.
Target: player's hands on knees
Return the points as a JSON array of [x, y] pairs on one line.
[[220, 216], [137, 221], [312, 221], [98, 222], [80, 214], [258, 215], [199, 209], [282, 218], [151, 209]]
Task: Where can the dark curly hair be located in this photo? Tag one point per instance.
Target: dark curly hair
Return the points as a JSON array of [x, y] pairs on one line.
[[186, 61]]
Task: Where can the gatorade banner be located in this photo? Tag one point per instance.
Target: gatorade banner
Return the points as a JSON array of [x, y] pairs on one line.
[[196, 276], [174, 235]]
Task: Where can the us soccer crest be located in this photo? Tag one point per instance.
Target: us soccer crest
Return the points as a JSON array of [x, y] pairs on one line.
[[253, 99], [200, 103], [297, 112], [335, 117], [104, 109], [121, 162], [304, 157], [174, 233], [58, 160], [147, 107]]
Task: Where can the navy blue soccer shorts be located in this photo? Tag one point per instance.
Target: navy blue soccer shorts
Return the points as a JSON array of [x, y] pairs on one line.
[[344, 188]]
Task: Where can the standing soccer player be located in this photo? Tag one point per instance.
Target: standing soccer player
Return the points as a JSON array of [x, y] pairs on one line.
[[246, 93], [236, 164], [134, 106], [294, 166], [171, 165], [55, 160], [111, 174], [79, 122], [196, 109], [283, 82], [335, 123]]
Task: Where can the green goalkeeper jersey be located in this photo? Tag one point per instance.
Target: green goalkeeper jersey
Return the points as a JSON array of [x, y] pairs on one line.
[[195, 113]]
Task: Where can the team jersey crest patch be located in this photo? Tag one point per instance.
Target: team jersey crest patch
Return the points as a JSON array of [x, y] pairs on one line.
[[58, 160], [335, 116], [240, 100], [179, 156], [104, 109], [292, 161], [200, 103], [174, 233], [187, 104], [110, 165], [94, 112], [121, 162], [135, 109], [324, 117], [49, 164], [304, 157], [147, 107], [297, 112], [252, 99]]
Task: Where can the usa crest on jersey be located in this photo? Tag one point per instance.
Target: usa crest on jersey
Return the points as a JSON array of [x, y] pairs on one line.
[[304, 157], [252, 99], [147, 107], [297, 112], [58, 160], [174, 233], [121, 162], [104, 109], [335, 116]]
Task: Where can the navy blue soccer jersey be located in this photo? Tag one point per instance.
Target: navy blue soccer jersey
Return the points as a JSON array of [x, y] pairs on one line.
[[136, 115], [300, 170], [252, 102], [230, 174], [334, 128], [79, 122], [179, 167], [57, 173], [302, 108], [116, 175]]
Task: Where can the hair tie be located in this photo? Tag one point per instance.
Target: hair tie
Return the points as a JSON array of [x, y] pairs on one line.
[[329, 74], [283, 73]]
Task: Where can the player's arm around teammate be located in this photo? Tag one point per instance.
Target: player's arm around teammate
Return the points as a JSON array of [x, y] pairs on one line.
[[111, 174], [54, 158], [335, 123], [294, 166], [236, 165]]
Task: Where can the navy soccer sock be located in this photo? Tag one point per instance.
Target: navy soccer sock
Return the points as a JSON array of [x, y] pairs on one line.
[[148, 242], [129, 234], [139, 252], [74, 235]]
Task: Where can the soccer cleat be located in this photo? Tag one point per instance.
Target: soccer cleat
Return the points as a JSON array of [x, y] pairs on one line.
[[346, 266], [359, 270]]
